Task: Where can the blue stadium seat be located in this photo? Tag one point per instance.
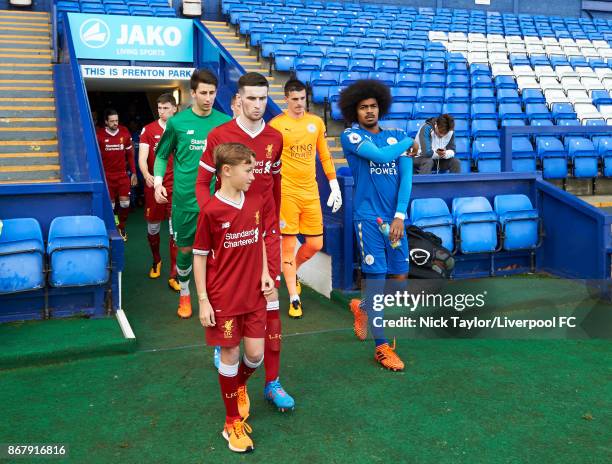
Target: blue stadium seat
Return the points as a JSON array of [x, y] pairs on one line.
[[404, 94], [347, 78], [519, 222], [481, 81], [320, 82], [484, 128], [508, 96], [511, 111], [386, 65], [433, 80], [532, 96], [413, 127], [584, 156], [284, 57], [400, 110], [432, 215], [486, 154], [456, 95], [603, 144], [563, 111], [462, 128], [335, 112], [334, 64], [362, 65], [554, 157], [430, 94], [463, 152], [484, 111], [458, 81], [476, 225], [386, 78], [424, 110], [21, 256], [71, 7], [311, 51], [601, 97], [523, 155], [483, 96], [434, 67], [457, 110], [537, 111], [408, 80], [505, 82], [78, 251], [304, 67]]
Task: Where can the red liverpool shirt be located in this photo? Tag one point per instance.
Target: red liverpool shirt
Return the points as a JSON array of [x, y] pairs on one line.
[[231, 236], [151, 134], [116, 150], [267, 143]]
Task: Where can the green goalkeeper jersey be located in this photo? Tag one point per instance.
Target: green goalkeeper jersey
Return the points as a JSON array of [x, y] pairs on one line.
[[185, 135]]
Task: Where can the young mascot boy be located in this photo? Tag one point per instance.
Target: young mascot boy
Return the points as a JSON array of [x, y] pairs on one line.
[[232, 278]]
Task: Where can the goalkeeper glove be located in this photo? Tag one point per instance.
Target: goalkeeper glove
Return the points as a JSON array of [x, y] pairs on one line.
[[335, 197]]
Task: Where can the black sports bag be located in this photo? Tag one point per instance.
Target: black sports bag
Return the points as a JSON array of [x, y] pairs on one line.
[[428, 258]]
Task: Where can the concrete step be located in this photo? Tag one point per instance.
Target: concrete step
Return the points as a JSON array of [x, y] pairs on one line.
[[31, 159], [25, 66], [27, 112], [22, 80], [27, 174], [12, 22], [27, 101], [33, 72], [16, 46], [24, 14], [22, 31], [38, 52], [23, 121], [20, 58], [28, 146], [25, 37], [27, 91], [29, 133]]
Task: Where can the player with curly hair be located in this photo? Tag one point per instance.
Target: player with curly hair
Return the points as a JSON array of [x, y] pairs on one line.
[[382, 172]]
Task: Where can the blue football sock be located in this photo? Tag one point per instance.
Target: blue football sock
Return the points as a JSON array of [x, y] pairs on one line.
[[375, 285]]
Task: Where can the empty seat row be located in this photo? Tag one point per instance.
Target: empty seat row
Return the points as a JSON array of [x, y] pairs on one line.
[[473, 226], [77, 254]]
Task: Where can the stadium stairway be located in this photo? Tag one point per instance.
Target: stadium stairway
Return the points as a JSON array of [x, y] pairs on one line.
[[247, 57], [28, 135]]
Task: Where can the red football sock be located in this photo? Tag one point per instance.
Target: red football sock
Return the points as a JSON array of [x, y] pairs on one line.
[[244, 372], [123, 215], [273, 345], [173, 252], [154, 244], [229, 392]]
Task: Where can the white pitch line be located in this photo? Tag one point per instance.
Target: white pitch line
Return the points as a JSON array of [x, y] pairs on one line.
[[203, 345]]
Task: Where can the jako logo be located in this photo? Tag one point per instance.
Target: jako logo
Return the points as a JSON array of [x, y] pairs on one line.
[[149, 35], [94, 33]]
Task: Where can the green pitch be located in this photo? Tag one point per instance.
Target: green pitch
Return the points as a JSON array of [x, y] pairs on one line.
[[459, 401]]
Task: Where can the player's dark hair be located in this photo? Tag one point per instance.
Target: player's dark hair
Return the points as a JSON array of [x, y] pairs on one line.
[[203, 76], [232, 154], [359, 91], [445, 123], [108, 112], [166, 98], [252, 79], [294, 85]]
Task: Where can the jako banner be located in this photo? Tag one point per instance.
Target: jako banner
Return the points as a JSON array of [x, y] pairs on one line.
[[106, 37]]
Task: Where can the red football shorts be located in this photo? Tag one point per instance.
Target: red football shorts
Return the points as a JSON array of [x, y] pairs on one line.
[[228, 331], [156, 212], [118, 186]]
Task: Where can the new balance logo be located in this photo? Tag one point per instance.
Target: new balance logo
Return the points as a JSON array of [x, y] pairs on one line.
[[190, 132], [225, 225]]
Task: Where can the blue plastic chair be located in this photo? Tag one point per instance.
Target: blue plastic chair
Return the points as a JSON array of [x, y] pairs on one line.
[[432, 215], [476, 225], [520, 222], [78, 250], [21, 256]]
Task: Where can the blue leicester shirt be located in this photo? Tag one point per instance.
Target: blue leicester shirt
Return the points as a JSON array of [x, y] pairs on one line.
[[376, 184]]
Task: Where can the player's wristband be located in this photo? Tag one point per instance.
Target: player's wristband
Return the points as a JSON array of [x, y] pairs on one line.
[[202, 296], [157, 181], [401, 216]]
